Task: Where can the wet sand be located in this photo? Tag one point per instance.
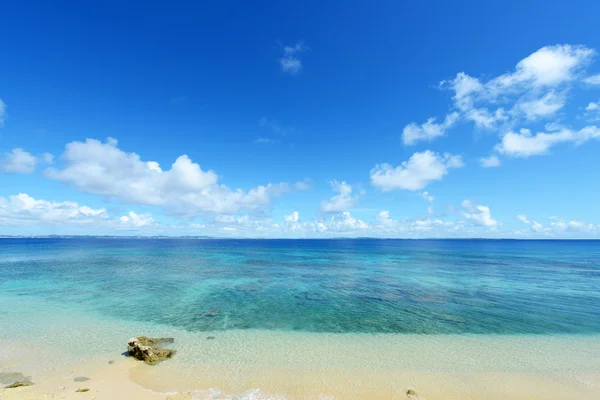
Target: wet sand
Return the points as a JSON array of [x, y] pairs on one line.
[[289, 365]]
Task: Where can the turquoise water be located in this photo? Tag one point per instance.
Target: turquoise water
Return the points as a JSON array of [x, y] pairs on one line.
[[378, 286]]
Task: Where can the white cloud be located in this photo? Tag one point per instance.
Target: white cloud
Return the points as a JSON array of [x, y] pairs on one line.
[[293, 217], [303, 185], [464, 87], [2, 112], [416, 173], [592, 106], [290, 61], [478, 214], [543, 107], [22, 210], [345, 222], [23, 207], [537, 227], [485, 119], [384, 219], [536, 89], [428, 131], [341, 202], [593, 79], [133, 220], [549, 66], [18, 161], [183, 190], [592, 111], [558, 227], [47, 158], [490, 162], [429, 198], [524, 144], [429, 224]]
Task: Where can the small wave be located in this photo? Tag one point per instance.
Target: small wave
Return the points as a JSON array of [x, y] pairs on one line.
[[217, 394]]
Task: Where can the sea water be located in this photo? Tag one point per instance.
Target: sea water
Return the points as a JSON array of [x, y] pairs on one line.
[[373, 306], [395, 286]]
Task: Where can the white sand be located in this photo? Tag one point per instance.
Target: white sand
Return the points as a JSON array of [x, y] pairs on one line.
[[319, 366]]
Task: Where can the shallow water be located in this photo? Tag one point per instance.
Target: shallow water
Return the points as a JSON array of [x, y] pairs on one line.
[[343, 286], [455, 319]]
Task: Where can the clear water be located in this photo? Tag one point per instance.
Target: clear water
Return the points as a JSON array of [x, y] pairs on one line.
[[334, 286]]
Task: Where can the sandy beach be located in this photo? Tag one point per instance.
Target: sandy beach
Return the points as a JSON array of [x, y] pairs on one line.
[[307, 366], [251, 329]]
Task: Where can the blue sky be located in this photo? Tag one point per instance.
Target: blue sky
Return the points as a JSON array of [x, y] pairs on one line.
[[300, 119]]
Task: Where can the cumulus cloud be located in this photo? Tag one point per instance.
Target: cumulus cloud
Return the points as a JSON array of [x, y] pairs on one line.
[[290, 60], [490, 162], [341, 202], [593, 80], [293, 217], [545, 70], [340, 224], [543, 107], [478, 214], [592, 106], [429, 198], [22, 207], [428, 227], [345, 222], [428, 131], [47, 158], [135, 221], [416, 173], [592, 111], [549, 66], [558, 227], [183, 190], [384, 220], [524, 144], [18, 161], [535, 90]]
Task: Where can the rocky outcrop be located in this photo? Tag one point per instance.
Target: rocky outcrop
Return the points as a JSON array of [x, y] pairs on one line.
[[11, 377], [145, 349], [412, 395], [18, 384]]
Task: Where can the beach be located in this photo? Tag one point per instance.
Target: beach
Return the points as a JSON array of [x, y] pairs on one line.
[[246, 325], [257, 364], [263, 365]]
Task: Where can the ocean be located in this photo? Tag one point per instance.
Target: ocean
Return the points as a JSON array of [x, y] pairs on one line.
[[441, 306]]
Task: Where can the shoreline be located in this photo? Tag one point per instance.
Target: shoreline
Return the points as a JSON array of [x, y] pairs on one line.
[[289, 365]]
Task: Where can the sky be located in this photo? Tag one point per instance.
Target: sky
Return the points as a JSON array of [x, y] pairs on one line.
[[300, 119]]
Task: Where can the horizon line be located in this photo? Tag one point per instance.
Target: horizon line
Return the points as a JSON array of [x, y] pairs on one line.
[[202, 237]]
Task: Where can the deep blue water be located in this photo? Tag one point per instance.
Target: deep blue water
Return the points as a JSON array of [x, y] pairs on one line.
[[366, 285]]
